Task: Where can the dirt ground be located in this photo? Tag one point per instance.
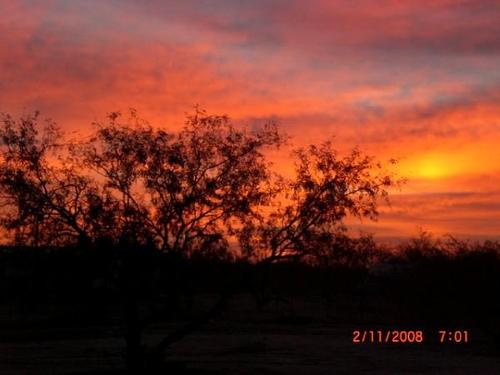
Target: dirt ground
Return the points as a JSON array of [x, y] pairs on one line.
[[305, 338]]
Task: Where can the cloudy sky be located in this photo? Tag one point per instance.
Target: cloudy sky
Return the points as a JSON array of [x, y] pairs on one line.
[[418, 81]]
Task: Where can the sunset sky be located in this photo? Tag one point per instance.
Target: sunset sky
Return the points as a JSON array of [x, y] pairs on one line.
[[418, 81]]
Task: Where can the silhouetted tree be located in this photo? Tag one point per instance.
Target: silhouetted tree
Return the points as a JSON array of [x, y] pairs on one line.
[[181, 193], [185, 190], [44, 196], [309, 209]]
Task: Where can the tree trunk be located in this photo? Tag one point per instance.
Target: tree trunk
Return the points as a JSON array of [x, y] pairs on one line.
[[129, 270], [133, 335]]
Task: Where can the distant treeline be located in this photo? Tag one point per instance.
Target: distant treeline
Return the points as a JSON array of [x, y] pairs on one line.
[[436, 276]]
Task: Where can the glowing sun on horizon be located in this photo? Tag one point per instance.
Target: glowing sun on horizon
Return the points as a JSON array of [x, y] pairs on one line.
[[433, 167]]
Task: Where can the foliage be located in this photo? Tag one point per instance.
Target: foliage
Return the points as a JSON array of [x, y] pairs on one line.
[[309, 209], [192, 191]]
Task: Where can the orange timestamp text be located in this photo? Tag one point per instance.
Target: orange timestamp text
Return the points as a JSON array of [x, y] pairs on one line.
[[407, 336]]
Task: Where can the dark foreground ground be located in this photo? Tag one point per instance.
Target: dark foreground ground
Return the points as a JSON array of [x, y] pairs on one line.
[[65, 311], [296, 335]]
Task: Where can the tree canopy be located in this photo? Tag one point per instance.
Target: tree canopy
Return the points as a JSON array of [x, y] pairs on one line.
[[207, 188]]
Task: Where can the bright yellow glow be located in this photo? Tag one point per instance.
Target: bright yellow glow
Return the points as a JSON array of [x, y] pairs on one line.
[[433, 168], [450, 162]]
